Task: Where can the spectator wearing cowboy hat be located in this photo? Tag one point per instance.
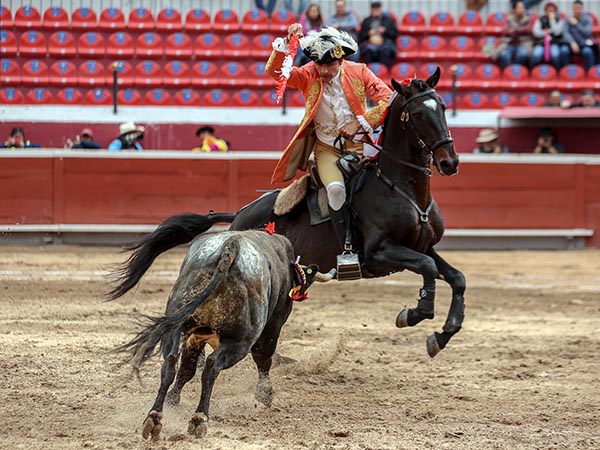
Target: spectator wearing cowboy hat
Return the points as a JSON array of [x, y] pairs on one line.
[[209, 142], [84, 140], [488, 142], [129, 136]]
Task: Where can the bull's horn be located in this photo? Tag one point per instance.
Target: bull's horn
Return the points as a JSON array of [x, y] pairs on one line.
[[324, 277]]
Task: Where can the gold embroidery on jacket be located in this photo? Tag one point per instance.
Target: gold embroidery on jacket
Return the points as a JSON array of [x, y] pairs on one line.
[[359, 90]]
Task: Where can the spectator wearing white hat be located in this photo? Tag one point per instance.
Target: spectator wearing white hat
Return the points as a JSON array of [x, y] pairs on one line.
[[129, 136], [489, 142]]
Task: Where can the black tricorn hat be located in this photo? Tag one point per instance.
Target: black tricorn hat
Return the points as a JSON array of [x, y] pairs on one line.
[[328, 45]]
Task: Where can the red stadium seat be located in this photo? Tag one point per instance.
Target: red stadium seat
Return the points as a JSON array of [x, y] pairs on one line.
[[63, 73], [56, 17], [33, 43], [120, 44], [432, 47], [186, 97], [140, 19], [464, 77], [91, 44], [62, 44], [216, 97], [442, 22], [280, 21], [593, 77], [268, 99], [39, 96], [486, 41], [157, 97], [380, 70], [515, 77], [205, 74], [532, 99], [261, 47], [112, 19], [197, 20], [178, 45], [296, 99], [504, 99], [495, 24], [84, 19], [168, 19], [255, 21], [148, 74], [461, 48], [426, 70], [543, 77], [6, 20], [233, 74], [487, 76], [98, 96], [413, 22], [470, 22], [11, 96], [245, 97], [400, 71], [208, 46], [226, 21], [69, 96], [10, 72], [125, 75], [34, 72], [149, 45], [176, 74], [129, 97], [472, 100], [236, 46], [408, 48], [257, 77], [8, 44], [572, 77], [27, 17], [91, 73]]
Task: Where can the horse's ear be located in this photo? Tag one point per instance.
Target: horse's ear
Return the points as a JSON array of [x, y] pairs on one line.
[[398, 87], [433, 80]]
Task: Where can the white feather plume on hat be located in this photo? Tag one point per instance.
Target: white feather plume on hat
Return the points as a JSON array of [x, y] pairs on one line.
[[325, 45]]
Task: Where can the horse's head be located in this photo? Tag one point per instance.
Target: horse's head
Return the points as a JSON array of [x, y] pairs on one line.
[[418, 113]]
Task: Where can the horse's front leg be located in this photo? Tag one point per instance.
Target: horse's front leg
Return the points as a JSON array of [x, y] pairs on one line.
[[456, 314]]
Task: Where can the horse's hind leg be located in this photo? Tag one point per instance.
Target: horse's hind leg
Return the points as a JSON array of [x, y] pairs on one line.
[[456, 280], [187, 369]]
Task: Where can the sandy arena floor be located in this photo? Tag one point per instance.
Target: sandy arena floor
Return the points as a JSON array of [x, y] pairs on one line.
[[522, 374]]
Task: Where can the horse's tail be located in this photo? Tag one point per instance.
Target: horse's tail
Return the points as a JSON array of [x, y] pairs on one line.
[[166, 329], [174, 231]]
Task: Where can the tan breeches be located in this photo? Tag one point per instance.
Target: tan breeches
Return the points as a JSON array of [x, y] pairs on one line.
[[327, 157]]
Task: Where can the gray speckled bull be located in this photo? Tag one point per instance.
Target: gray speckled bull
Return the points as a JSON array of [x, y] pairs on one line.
[[233, 294]]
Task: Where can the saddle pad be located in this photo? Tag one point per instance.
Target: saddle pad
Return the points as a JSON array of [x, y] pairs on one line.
[[290, 196]]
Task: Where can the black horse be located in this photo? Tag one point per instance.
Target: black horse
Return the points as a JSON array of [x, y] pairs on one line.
[[396, 221]]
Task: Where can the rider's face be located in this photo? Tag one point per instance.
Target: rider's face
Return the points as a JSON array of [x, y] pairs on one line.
[[329, 71]]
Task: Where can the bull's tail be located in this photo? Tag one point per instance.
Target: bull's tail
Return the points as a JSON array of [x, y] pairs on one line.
[[174, 231], [166, 329]]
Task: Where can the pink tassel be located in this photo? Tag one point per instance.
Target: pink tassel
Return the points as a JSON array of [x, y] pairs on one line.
[[547, 40]]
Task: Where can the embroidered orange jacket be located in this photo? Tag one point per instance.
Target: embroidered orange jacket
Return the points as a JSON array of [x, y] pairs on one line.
[[357, 80]]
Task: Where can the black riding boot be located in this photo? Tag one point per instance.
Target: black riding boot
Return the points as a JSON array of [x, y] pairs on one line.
[[348, 266]]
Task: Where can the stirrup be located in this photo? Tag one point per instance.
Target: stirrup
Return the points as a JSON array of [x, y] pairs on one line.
[[348, 266]]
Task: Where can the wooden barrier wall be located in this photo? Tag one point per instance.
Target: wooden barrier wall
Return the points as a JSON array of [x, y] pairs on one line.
[[490, 192]]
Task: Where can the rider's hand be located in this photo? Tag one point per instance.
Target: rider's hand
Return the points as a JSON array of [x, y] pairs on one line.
[[349, 130], [293, 29]]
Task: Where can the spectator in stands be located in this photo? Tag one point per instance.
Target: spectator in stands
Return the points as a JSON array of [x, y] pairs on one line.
[[475, 5], [335, 107], [209, 142], [129, 138], [546, 142], [84, 140], [17, 140], [268, 6], [578, 34], [377, 38], [488, 141], [517, 42], [550, 47], [311, 20], [289, 5], [587, 99], [344, 20], [555, 100]]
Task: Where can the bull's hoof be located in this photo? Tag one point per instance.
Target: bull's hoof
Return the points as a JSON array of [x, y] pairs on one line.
[[433, 347], [198, 425], [264, 392], [152, 426], [402, 319], [173, 398]]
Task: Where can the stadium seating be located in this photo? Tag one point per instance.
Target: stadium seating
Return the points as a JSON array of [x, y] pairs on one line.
[[464, 77], [176, 74], [257, 77], [407, 48], [120, 44], [245, 97], [233, 74], [413, 22], [125, 75], [208, 46], [236, 46], [486, 76], [400, 71], [205, 74], [157, 97], [197, 20], [10, 72], [39, 96], [91, 73], [461, 48], [84, 19], [140, 19], [433, 47], [380, 70], [216, 97], [494, 26], [6, 20], [268, 99], [515, 77], [543, 77], [186, 97], [178, 45], [592, 79], [33, 43], [503, 99], [56, 17], [69, 96], [426, 70], [280, 21], [129, 97], [442, 22], [11, 96], [34, 72], [295, 99], [148, 74], [473, 100], [62, 44], [8, 44], [149, 45], [226, 21], [63, 73], [532, 99], [255, 21], [98, 96], [91, 44], [27, 17], [112, 19], [470, 22], [168, 19], [261, 47], [572, 77], [486, 41]]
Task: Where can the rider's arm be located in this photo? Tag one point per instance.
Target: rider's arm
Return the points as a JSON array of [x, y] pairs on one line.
[[378, 91]]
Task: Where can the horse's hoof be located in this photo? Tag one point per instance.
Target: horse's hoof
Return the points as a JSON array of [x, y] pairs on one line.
[[152, 426], [402, 319], [264, 393], [433, 347], [197, 426]]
